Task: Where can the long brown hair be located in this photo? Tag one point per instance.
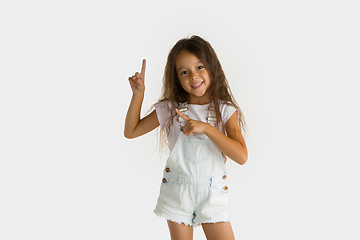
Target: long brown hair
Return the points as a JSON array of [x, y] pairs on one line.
[[219, 89]]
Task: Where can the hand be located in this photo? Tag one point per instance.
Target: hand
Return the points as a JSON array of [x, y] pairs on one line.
[[137, 81], [192, 126]]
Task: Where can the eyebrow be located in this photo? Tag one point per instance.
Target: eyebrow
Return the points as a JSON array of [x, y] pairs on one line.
[[194, 64]]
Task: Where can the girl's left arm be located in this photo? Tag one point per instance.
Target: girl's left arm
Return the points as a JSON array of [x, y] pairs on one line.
[[233, 145]]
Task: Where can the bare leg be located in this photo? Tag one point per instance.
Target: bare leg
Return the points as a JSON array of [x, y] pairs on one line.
[[180, 231], [218, 231]]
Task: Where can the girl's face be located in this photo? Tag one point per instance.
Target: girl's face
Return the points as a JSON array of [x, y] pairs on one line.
[[193, 76]]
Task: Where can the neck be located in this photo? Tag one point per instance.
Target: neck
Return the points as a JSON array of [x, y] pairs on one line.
[[199, 101]]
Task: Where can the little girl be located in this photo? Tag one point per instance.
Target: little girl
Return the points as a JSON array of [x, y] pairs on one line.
[[200, 122]]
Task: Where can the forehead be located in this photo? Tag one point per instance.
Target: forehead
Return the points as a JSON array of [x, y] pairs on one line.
[[186, 58]]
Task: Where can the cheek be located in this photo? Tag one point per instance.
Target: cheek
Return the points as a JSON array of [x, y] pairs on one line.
[[183, 82], [181, 85], [206, 76], [208, 79], [209, 83]]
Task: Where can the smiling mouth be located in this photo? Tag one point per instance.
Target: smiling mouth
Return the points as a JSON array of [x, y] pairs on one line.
[[197, 85]]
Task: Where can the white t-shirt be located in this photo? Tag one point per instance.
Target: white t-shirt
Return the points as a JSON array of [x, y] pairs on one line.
[[196, 112]]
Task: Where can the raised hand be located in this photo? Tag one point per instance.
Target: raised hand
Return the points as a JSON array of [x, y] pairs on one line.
[[192, 126], [137, 81]]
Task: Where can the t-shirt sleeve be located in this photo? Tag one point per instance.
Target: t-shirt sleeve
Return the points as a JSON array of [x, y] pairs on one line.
[[226, 112], [162, 112]]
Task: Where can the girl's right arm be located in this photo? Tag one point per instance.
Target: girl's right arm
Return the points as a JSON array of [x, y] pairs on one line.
[[134, 126]]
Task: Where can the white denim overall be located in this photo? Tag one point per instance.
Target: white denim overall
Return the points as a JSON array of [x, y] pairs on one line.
[[194, 187]]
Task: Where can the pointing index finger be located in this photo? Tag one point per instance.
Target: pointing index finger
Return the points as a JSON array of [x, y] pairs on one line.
[[183, 116], [143, 67]]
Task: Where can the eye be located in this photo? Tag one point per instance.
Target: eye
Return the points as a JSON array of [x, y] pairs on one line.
[[183, 73], [200, 67]]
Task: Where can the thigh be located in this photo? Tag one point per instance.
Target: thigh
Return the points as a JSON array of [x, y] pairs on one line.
[[218, 231], [180, 231]]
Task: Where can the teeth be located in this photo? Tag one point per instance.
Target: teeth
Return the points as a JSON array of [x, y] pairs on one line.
[[197, 84]]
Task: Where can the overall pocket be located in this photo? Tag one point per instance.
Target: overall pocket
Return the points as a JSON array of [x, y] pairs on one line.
[[197, 150]]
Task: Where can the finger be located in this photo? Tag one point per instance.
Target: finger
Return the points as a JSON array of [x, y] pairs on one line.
[[137, 75], [132, 79], [132, 84], [188, 129], [183, 129], [143, 67], [183, 116]]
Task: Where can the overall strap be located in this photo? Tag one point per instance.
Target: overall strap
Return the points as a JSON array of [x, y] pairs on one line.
[[183, 108], [211, 118]]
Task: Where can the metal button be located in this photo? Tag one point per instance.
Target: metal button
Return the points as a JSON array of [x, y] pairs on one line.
[[224, 177], [164, 180], [167, 169], [226, 188]]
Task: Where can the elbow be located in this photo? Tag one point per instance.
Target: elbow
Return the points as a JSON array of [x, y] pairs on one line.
[[240, 157], [131, 134], [128, 135], [242, 160], [243, 157]]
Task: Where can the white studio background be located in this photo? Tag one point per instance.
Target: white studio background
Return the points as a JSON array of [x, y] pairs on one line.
[[66, 170]]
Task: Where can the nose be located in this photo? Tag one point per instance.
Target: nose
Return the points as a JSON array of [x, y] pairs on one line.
[[194, 77]]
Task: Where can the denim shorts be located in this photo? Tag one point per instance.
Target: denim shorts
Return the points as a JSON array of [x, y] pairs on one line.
[[193, 200]]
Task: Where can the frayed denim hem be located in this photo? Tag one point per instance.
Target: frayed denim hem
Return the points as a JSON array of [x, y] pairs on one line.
[[172, 220], [189, 224], [214, 222]]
